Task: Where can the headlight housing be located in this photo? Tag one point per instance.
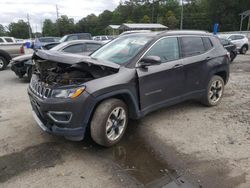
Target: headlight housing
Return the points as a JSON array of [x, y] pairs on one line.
[[68, 93]]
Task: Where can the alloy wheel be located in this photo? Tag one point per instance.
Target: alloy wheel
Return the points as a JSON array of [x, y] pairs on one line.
[[215, 91], [116, 123]]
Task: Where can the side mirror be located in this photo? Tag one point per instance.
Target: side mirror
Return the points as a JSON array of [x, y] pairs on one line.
[[149, 61]]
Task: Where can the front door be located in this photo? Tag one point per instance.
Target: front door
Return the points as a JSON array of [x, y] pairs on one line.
[[159, 84]]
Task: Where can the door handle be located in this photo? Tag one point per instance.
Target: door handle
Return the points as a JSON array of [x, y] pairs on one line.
[[208, 58], [177, 66]]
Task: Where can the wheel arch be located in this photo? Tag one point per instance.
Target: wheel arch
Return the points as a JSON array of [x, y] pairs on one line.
[[223, 75], [5, 55], [125, 95]]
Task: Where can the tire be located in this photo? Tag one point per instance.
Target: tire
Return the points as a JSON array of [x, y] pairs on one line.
[[106, 127], [29, 73], [214, 91], [244, 49], [3, 63], [232, 56]]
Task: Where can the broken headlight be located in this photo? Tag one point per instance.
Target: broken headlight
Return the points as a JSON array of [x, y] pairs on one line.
[[68, 93]]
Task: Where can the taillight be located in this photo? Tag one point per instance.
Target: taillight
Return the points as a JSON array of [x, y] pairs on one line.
[[21, 50]]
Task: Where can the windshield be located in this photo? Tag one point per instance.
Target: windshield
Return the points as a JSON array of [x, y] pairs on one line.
[[122, 50], [63, 39]]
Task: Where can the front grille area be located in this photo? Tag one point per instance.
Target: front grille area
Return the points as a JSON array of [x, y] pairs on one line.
[[40, 89]]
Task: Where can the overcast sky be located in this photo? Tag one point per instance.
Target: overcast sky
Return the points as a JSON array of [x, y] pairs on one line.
[[13, 10]]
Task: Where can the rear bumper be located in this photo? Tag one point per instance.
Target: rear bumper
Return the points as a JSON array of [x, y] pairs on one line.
[[19, 70]]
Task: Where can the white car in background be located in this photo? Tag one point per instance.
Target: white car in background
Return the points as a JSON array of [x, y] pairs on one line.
[[7, 40], [240, 40], [103, 38]]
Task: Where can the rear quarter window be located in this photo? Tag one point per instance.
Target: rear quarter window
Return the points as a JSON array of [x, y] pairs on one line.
[[8, 39], [207, 43], [1, 40], [192, 46]]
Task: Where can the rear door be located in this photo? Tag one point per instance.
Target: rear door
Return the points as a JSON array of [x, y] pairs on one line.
[[195, 56], [160, 83]]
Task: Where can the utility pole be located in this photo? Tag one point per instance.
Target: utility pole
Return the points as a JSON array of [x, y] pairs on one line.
[[57, 12], [28, 18], [181, 25], [57, 24], [153, 11]]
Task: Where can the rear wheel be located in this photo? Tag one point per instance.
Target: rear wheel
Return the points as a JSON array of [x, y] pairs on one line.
[[109, 122], [214, 92], [3, 63], [244, 49]]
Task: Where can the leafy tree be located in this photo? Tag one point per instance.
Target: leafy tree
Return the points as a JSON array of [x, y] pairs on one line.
[[19, 29], [170, 20], [65, 25], [145, 19], [49, 28]]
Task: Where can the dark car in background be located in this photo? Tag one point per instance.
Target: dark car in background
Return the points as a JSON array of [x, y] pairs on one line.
[[23, 64], [230, 47], [129, 77], [42, 41], [76, 36]]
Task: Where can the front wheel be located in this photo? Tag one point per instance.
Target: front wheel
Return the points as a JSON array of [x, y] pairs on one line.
[[214, 92], [109, 122]]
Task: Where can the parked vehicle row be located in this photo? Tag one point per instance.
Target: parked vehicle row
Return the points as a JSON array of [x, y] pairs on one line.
[[9, 51], [23, 64], [240, 40], [128, 77]]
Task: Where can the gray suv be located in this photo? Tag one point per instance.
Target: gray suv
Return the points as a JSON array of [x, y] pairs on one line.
[[127, 78], [239, 40]]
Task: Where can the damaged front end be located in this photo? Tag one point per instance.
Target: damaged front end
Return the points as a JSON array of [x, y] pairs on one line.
[[60, 102], [56, 69]]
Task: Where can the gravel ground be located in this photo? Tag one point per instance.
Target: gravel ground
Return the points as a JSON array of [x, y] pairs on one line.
[[208, 146]]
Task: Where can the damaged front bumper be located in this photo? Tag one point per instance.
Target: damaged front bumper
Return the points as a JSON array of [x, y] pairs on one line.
[[63, 117]]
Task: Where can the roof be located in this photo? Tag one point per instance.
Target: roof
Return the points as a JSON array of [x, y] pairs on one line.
[[246, 13], [113, 26], [142, 26]]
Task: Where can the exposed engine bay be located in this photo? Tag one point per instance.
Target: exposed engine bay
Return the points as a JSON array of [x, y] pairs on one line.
[[56, 73]]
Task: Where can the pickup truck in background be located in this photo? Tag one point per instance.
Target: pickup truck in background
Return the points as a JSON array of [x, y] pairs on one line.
[[9, 51]]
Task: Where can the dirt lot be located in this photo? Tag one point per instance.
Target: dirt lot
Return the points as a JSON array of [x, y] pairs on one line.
[[206, 146]]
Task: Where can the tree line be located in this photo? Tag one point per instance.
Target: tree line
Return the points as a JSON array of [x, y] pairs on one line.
[[197, 14]]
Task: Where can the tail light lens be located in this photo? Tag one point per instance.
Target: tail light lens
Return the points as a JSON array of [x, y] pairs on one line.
[[21, 50]]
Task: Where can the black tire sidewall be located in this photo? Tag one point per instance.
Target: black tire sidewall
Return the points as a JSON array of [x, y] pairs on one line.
[[100, 118], [243, 51], [5, 63]]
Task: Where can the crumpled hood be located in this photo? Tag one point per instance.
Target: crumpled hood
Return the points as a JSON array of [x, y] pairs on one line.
[[67, 58]]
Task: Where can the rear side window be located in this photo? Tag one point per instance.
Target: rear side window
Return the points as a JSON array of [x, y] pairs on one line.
[[90, 47], [1, 40], [77, 48], [239, 37], [207, 43], [84, 36], [192, 46], [72, 37], [8, 39]]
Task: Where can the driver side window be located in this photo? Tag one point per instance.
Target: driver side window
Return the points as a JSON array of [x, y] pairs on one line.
[[167, 49]]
